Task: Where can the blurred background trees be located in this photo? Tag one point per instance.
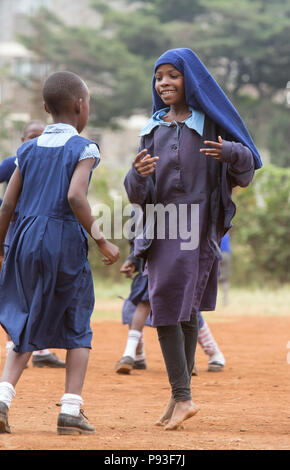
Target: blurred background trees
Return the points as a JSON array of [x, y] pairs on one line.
[[244, 43]]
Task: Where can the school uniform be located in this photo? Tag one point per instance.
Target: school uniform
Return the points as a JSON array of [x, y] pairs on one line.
[[182, 282], [46, 286]]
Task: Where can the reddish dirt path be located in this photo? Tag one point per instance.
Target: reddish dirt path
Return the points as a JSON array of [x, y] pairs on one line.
[[244, 407]]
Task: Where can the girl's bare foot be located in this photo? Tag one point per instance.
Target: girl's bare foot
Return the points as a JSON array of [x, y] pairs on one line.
[[183, 410], [165, 417]]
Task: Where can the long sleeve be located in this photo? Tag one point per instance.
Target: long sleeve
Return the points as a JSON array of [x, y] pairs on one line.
[[138, 187], [240, 163]]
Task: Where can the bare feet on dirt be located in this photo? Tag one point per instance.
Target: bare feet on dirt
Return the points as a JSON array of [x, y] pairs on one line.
[[182, 411]]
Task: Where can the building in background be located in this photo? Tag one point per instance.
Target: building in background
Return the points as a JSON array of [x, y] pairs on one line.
[[17, 61]]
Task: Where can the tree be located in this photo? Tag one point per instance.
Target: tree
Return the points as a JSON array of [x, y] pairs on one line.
[[261, 229], [115, 76], [243, 43]]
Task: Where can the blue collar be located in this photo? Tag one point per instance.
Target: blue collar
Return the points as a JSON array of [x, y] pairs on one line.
[[195, 121]]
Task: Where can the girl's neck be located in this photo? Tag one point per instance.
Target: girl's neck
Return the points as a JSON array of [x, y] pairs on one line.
[[177, 113], [64, 119]]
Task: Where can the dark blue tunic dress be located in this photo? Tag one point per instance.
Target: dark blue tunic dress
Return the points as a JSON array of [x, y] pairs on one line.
[[46, 286], [185, 281]]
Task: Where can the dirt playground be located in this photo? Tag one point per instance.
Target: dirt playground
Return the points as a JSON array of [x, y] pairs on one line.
[[244, 407]]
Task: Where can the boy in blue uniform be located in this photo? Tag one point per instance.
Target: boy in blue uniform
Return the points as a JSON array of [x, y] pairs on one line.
[[31, 130], [47, 260]]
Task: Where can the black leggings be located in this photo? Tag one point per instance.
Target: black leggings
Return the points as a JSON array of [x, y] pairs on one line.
[[178, 345]]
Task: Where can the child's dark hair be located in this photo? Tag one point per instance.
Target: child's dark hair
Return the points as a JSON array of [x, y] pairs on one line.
[[61, 89], [34, 122]]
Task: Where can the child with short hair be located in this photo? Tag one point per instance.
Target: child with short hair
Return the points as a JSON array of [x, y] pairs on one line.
[[193, 151], [31, 130], [46, 286]]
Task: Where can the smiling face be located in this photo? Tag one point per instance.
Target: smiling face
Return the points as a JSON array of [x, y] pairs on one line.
[[169, 84]]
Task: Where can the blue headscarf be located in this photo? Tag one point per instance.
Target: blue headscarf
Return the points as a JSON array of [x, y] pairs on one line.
[[203, 93]]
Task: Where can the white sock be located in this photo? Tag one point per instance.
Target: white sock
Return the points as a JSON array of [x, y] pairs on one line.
[[206, 340], [42, 352], [9, 346], [132, 343], [71, 403], [7, 393], [141, 347]]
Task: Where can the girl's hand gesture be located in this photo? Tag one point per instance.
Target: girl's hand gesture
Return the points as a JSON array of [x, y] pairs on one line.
[[128, 268], [109, 250], [215, 149], [144, 163]]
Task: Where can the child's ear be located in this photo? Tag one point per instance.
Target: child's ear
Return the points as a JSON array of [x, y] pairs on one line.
[[45, 107], [78, 105]]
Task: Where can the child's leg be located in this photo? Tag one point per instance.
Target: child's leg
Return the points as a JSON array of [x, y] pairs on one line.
[[125, 365], [178, 356], [190, 331], [71, 419], [76, 368], [210, 347], [138, 323], [14, 365]]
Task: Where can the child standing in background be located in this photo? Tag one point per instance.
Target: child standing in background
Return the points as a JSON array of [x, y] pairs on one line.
[[46, 286], [198, 149]]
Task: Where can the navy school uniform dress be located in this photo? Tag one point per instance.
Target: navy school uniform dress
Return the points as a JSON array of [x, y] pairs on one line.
[[46, 286]]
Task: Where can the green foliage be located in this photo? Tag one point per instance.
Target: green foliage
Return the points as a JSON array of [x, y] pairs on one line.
[[242, 42], [105, 187], [170, 10], [260, 236]]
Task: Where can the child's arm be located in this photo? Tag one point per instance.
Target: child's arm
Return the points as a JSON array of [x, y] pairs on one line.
[[77, 198], [136, 181], [239, 158], [8, 205]]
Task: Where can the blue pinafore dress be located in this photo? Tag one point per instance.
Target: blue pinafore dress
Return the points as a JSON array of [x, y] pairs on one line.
[[46, 286]]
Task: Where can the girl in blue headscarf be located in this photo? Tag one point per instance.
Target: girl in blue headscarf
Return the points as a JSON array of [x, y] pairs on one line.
[[193, 151]]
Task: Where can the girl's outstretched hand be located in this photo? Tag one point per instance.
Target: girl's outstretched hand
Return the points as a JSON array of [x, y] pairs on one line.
[[109, 250], [214, 149], [144, 163]]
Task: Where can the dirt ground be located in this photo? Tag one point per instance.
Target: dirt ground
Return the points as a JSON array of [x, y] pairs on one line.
[[244, 407]]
